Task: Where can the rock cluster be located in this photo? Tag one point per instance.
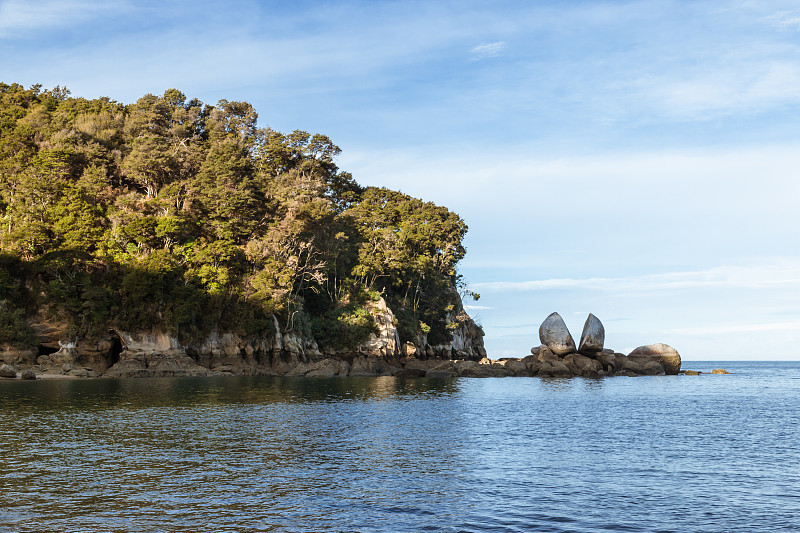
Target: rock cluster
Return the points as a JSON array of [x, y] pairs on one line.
[[153, 354], [558, 356]]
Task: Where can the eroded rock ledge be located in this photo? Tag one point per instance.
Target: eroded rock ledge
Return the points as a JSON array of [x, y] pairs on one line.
[[157, 354], [281, 353]]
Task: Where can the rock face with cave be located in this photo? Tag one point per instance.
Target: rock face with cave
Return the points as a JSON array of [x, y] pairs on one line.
[[161, 353]]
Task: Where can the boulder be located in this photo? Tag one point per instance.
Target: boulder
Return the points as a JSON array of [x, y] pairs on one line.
[[653, 368], [667, 356], [692, 373], [560, 370], [8, 371], [18, 356], [518, 367], [720, 371], [624, 363], [28, 373], [409, 350], [327, 368], [554, 334], [365, 366], [593, 336], [410, 373], [473, 369], [136, 364], [546, 356], [435, 373], [608, 360], [581, 365]]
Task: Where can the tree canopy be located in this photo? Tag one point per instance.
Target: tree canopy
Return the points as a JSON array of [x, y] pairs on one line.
[[177, 214]]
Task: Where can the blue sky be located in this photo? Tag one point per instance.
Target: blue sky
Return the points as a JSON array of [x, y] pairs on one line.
[[637, 160]]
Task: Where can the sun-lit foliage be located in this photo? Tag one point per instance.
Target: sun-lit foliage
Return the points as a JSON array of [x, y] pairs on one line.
[[176, 214]]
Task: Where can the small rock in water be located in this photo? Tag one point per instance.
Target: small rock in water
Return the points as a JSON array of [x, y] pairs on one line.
[[554, 334], [28, 373], [720, 371], [692, 373], [8, 371], [593, 336]]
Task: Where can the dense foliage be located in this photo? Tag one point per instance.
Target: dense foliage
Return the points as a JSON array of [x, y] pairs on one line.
[[176, 214]]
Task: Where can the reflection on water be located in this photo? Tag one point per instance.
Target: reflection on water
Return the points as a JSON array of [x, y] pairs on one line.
[[132, 393], [252, 454]]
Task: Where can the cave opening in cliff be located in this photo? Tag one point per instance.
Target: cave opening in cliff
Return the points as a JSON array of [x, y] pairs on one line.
[[116, 349], [47, 350]]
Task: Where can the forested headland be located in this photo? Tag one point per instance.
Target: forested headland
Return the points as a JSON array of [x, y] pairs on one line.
[[177, 215]]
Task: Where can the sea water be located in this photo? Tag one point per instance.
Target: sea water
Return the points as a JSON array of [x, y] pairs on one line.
[[247, 454]]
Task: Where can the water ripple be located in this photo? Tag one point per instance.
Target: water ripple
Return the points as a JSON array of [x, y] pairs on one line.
[[383, 454]]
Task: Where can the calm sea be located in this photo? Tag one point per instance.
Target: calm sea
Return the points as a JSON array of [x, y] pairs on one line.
[[246, 454]]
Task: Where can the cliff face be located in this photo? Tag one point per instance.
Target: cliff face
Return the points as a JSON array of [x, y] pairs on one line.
[[160, 353]]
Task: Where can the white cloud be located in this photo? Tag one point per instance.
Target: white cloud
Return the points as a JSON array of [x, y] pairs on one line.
[[733, 86], [483, 51], [19, 16], [739, 328], [477, 307], [784, 20], [729, 277]]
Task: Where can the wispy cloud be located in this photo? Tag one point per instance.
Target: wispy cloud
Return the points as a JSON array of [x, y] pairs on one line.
[[784, 20], [477, 307], [739, 328], [18, 16], [734, 86], [761, 277], [482, 51]]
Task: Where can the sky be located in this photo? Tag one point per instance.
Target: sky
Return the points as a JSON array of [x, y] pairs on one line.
[[636, 160]]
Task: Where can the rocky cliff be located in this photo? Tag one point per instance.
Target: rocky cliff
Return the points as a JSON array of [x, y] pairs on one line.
[[160, 353]]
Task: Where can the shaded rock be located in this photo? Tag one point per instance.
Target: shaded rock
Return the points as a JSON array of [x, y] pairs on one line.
[[467, 336], [593, 336], [323, 368], [667, 356], [434, 373], [653, 368], [556, 369], [720, 371], [554, 334], [624, 363], [8, 371], [466, 367], [28, 373], [410, 373], [608, 360], [517, 367], [133, 364], [18, 356], [535, 350], [365, 366], [534, 367], [580, 364], [473, 369], [547, 356], [327, 368], [412, 363]]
